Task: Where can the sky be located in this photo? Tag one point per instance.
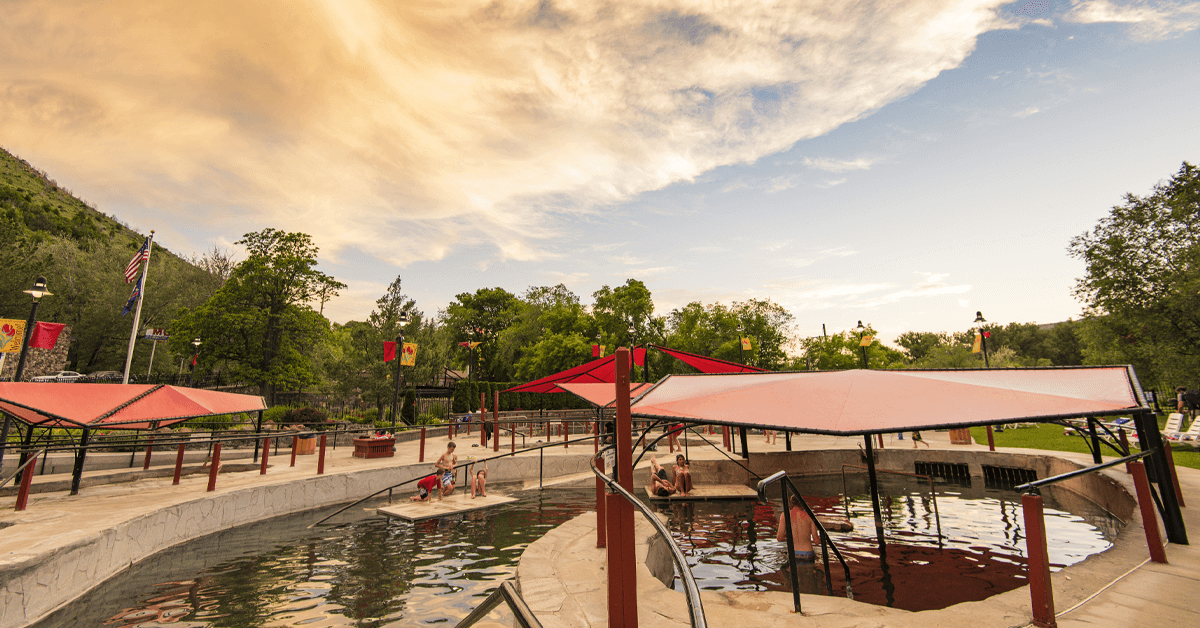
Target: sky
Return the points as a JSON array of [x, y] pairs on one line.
[[905, 164]]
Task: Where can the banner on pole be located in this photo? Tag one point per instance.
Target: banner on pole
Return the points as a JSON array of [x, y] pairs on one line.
[[45, 335], [409, 356], [389, 351], [156, 334], [12, 334]]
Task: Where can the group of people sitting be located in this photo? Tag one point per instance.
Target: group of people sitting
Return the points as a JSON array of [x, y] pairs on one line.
[[680, 485], [442, 479]]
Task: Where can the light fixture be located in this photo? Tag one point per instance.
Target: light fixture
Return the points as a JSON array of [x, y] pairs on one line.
[[39, 289], [979, 317]]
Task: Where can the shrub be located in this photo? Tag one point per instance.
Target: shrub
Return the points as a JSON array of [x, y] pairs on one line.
[[307, 415]]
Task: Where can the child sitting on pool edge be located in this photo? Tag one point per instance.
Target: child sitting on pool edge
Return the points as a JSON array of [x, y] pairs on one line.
[[478, 480]]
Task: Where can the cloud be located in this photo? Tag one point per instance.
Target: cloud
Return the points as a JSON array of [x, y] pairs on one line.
[[1148, 20], [442, 124], [838, 165], [932, 285]]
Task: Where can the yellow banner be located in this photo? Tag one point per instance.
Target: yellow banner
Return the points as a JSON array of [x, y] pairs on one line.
[[409, 356], [474, 344], [866, 341], [978, 340], [12, 334], [602, 350], [746, 344]]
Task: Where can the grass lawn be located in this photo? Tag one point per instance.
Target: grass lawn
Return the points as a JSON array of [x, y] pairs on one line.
[[1051, 437]]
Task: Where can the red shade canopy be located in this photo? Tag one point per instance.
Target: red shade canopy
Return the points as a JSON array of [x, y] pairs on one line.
[[599, 371], [705, 364], [115, 406], [602, 395], [865, 402]]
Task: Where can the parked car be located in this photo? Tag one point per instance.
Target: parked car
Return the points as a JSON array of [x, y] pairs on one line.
[[105, 376], [61, 376]]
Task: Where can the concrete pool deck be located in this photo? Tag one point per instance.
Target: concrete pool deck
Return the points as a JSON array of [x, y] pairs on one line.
[[63, 546]]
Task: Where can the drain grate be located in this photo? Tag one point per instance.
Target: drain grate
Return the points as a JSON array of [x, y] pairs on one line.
[[1006, 477], [947, 471]]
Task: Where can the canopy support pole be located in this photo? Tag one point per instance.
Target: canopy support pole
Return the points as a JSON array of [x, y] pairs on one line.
[[1149, 438], [874, 479], [4, 436], [26, 443], [745, 446], [80, 455]]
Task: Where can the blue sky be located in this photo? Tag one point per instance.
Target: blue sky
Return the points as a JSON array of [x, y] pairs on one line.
[[900, 165]]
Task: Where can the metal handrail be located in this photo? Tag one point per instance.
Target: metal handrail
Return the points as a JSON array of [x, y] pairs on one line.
[[933, 495], [1033, 487], [508, 594], [691, 591], [787, 485], [21, 468]]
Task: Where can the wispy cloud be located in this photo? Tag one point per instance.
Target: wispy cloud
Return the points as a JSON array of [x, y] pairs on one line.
[[1149, 20], [933, 284], [838, 165], [446, 123]]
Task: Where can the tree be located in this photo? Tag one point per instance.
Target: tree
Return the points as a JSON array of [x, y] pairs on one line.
[[618, 309], [260, 322], [1141, 287], [482, 317]]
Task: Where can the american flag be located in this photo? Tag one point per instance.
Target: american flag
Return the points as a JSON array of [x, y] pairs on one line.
[[142, 254]]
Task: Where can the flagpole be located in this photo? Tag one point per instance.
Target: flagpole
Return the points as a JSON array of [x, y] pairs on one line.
[[137, 315]]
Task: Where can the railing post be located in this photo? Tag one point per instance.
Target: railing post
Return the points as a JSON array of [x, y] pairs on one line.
[[26, 482], [1149, 511], [295, 441], [266, 453], [421, 450], [566, 433], [1041, 591], [178, 464], [321, 457], [601, 521], [512, 432], [1174, 475], [216, 464], [622, 573], [725, 440], [496, 420], [991, 439], [149, 448], [80, 459], [616, 568]]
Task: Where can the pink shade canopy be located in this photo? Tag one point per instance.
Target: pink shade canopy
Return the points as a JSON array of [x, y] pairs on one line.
[[864, 401], [602, 395], [116, 406]]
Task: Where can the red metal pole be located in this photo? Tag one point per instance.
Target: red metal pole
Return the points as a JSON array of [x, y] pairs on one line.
[[178, 464], [1149, 512], [421, 454], [881, 441], [1041, 591], [566, 433], [321, 457], [601, 522], [26, 482], [512, 432], [216, 464], [149, 448], [262, 470], [991, 439], [1174, 475], [621, 561], [616, 592], [295, 440], [725, 437]]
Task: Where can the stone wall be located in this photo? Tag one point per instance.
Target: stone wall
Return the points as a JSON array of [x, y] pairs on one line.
[[39, 361]]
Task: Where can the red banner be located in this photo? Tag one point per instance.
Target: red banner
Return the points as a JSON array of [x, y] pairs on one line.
[[389, 351], [45, 335], [639, 357]]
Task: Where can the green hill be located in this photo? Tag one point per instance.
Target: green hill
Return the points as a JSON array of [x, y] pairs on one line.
[[47, 231]]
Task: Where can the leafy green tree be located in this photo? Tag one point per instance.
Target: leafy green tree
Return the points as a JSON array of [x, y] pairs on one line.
[[259, 323], [618, 309], [841, 351], [1141, 287], [482, 317]]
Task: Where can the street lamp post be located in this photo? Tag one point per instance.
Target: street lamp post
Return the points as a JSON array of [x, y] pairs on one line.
[[37, 292], [741, 345], [982, 338], [403, 320], [862, 330], [195, 358], [632, 371]]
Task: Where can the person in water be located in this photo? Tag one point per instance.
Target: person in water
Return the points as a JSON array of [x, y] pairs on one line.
[[659, 484], [804, 532]]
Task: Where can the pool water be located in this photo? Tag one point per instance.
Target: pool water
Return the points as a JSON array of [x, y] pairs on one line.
[[370, 571], [979, 553]]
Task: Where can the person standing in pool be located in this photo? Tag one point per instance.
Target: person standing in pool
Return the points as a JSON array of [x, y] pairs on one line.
[[659, 484], [425, 488], [916, 438], [445, 466], [804, 532]]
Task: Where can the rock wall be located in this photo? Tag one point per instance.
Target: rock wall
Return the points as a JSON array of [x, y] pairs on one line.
[[39, 361]]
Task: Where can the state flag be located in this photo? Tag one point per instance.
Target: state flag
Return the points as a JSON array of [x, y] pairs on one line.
[[133, 298]]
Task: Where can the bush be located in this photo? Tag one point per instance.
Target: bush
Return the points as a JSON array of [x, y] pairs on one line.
[[275, 414], [307, 416]]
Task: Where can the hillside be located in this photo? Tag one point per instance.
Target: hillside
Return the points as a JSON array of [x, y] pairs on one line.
[[46, 230]]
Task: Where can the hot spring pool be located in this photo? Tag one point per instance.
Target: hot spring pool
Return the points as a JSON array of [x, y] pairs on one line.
[[370, 571]]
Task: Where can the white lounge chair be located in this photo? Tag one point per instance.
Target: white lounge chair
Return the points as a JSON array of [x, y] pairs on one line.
[[1193, 432], [1173, 427]]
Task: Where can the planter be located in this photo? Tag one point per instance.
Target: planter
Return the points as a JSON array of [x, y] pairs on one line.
[[961, 436], [374, 447]]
